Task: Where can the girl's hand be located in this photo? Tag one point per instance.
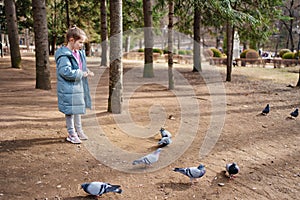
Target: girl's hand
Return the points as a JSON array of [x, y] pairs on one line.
[[85, 74], [90, 73]]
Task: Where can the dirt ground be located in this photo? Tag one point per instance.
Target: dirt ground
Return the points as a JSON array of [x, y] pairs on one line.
[[37, 162]]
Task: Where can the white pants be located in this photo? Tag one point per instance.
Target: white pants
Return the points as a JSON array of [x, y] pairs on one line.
[[73, 123]]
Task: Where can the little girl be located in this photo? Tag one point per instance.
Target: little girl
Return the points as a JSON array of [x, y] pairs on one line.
[[72, 83]]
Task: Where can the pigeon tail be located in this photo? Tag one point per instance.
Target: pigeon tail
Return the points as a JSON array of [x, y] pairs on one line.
[[165, 141], [266, 110], [232, 169], [114, 188], [136, 162], [180, 170], [295, 113]]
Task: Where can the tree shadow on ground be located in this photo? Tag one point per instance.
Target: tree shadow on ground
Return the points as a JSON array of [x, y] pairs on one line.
[[24, 144]]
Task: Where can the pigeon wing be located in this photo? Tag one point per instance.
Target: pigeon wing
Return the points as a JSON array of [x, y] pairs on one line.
[[94, 188], [165, 141], [194, 172], [148, 159]]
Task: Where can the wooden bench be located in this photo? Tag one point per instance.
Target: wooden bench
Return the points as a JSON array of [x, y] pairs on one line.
[[278, 62], [217, 61], [252, 61], [139, 55], [180, 59]]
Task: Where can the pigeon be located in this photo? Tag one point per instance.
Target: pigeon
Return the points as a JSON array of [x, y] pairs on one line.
[[232, 169], [192, 172], [148, 159], [266, 110], [165, 133], [165, 141], [295, 113], [99, 188]]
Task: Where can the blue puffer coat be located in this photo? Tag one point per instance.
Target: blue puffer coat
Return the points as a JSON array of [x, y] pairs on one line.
[[72, 88]]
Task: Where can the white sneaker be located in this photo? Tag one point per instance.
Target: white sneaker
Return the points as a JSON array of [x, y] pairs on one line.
[[74, 139], [82, 136]]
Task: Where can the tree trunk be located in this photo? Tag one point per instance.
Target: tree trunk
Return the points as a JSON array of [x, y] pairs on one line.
[[298, 84], [148, 38], [43, 80], [229, 35], [54, 24], [170, 45], [67, 13], [127, 43], [197, 20], [13, 35], [103, 33], [115, 57]]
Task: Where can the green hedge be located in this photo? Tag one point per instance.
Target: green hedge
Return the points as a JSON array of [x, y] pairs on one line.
[[217, 52], [288, 55], [283, 51]]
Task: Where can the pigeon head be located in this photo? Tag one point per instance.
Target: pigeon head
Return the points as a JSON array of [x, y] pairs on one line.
[[84, 186], [162, 129], [200, 167]]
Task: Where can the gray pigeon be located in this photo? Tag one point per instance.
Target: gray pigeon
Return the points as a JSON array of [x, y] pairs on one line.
[[148, 159], [99, 188], [165, 133], [192, 172], [165, 141], [232, 169]]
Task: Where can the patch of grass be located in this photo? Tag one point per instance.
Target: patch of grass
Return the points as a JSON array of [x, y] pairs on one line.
[[288, 75]]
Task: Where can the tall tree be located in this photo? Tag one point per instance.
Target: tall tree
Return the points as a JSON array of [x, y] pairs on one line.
[[253, 20], [197, 45], [67, 13], [229, 48], [43, 79], [13, 35], [170, 45], [53, 24], [148, 38], [103, 33], [290, 9], [115, 58], [298, 83]]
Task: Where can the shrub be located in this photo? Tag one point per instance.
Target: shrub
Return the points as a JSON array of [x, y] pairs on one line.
[[154, 50], [217, 52], [251, 53], [208, 53], [158, 51], [288, 55], [189, 52], [181, 52], [243, 54], [283, 51], [297, 55], [165, 50]]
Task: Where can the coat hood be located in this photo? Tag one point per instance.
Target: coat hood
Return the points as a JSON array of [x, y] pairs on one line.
[[63, 51]]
